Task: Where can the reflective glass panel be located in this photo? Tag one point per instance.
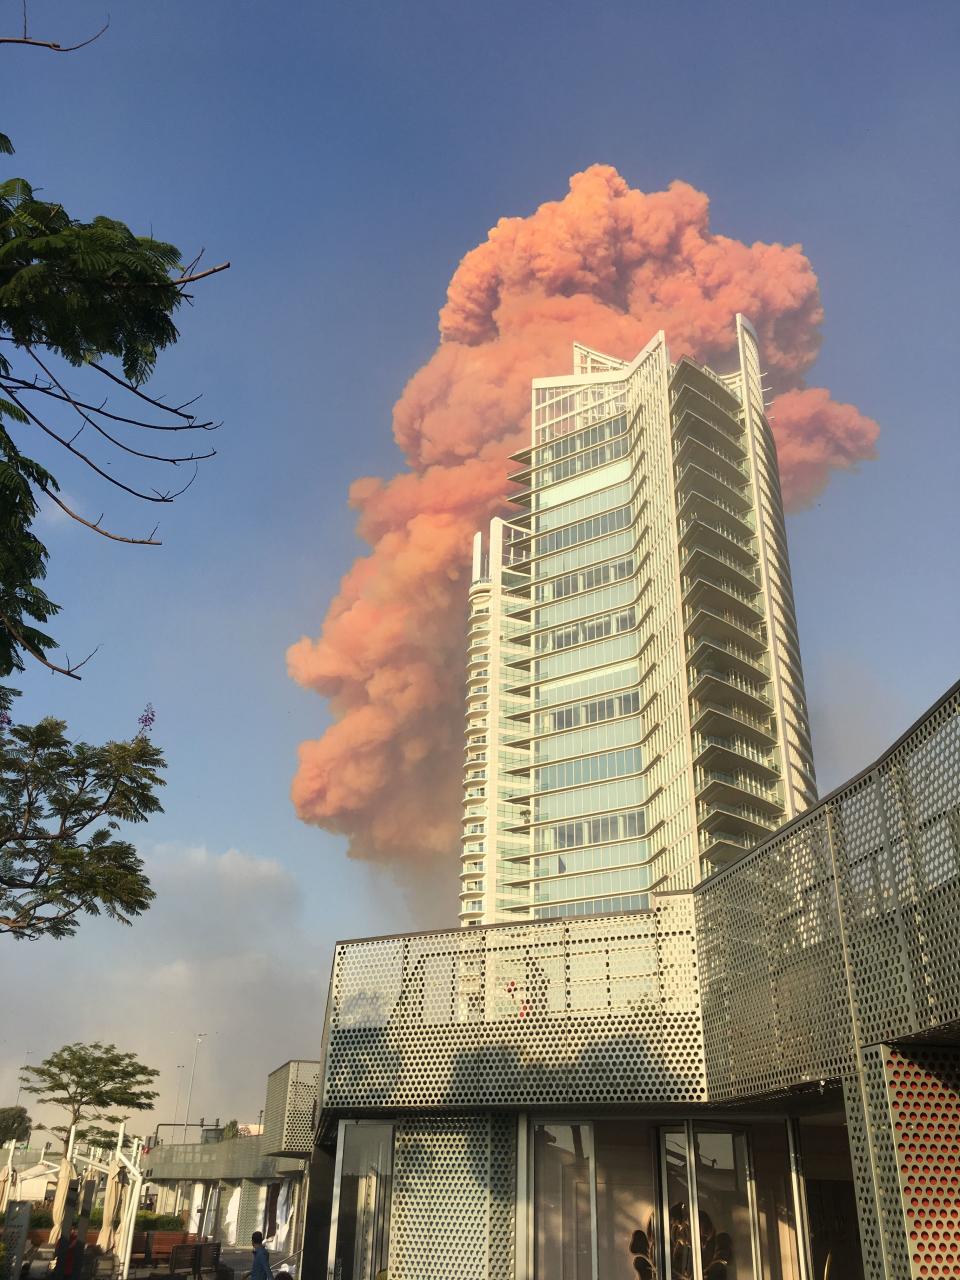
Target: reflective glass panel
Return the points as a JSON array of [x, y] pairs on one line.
[[831, 1201], [676, 1194], [775, 1207], [627, 1231], [363, 1217], [563, 1218], [723, 1201]]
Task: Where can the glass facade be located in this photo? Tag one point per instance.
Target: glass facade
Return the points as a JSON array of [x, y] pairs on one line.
[[632, 649], [618, 1198]]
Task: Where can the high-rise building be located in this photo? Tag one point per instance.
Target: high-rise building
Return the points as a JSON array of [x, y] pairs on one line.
[[635, 707]]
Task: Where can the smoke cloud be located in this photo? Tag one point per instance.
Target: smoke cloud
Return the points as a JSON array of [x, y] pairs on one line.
[[607, 266]]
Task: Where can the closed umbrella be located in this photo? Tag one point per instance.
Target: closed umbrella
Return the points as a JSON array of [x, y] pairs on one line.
[[8, 1185], [112, 1207], [64, 1177]]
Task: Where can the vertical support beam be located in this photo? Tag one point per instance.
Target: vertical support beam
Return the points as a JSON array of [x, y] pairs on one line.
[[524, 1259]]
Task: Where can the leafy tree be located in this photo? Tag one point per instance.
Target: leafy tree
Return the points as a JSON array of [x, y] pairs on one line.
[[73, 294], [14, 1124], [61, 803], [231, 1130], [91, 1082]]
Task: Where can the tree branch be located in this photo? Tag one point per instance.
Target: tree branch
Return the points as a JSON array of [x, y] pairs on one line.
[[157, 404], [157, 496], [95, 526], [22, 384], [53, 44], [69, 670], [137, 453]]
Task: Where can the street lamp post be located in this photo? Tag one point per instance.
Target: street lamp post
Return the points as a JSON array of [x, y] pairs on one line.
[[176, 1105], [193, 1070]]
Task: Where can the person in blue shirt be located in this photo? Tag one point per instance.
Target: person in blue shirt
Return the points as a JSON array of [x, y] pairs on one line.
[[261, 1259]]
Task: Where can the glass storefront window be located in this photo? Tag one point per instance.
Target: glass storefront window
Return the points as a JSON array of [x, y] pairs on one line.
[[363, 1214], [619, 1198], [564, 1213], [678, 1229], [775, 1207], [831, 1200], [626, 1199], [723, 1203]]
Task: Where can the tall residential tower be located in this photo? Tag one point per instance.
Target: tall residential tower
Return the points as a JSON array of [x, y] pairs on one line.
[[635, 705]]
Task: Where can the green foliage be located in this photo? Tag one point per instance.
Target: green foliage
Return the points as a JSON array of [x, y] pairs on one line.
[[91, 1082], [14, 1124], [79, 292], [40, 1218], [231, 1130], [60, 806]]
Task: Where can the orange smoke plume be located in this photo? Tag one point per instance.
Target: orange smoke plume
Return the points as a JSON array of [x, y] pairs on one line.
[[607, 266]]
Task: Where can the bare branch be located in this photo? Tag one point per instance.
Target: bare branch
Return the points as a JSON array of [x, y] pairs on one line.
[[95, 526], [128, 386], [70, 669], [24, 385], [137, 453], [201, 275], [136, 493], [52, 44]]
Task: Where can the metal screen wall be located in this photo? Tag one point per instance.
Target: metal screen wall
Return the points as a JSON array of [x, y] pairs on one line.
[[848, 919], [290, 1113], [454, 1195], [603, 1009]]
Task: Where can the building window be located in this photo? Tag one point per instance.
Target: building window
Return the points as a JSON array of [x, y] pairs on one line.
[[361, 1229], [618, 1198]]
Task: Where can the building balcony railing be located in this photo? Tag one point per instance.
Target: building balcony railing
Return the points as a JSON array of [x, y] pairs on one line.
[[727, 684], [713, 454]]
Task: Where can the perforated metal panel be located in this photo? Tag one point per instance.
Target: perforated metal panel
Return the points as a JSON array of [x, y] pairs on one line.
[[604, 1009], [923, 1088], [454, 1199], [848, 919], [290, 1113]]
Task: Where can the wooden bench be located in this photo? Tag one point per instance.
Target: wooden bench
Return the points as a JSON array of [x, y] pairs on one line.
[[195, 1259], [160, 1244]]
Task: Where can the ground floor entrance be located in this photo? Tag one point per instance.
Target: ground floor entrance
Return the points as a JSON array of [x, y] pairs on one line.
[[611, 1197]]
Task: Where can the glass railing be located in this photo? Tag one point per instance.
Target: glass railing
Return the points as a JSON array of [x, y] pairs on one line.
[[717, 502], [748, 571], [738, 745], [730, 678], [742, 781], [730, 459], [742, 811], [735, 713], [755, 663], [731, 535], [722, 615]]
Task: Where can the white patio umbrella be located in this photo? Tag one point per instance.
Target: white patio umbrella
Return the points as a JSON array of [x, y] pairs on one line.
[[64, 1176], [112, 1206]]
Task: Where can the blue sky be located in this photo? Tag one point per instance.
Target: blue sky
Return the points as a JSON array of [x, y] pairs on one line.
[[344, 156]]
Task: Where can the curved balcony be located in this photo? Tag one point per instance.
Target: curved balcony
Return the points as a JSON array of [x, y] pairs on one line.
[[736, 789], [727, 688], [723, 847], [728, 659], [712, 457], [695, 505], [714, 564], [714, 536], [697, 474], [731, 755], [722, 597], [715, 718], [741, 820], [727, 617]]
